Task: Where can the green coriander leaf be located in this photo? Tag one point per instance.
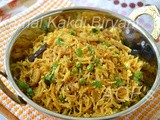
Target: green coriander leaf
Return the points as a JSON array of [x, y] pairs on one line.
[[97, 84], [100, 67], [72, 32], [52, 77], [119, 81], [59, 41], [96, 60], [45, 26], [137, 76], [94, 30], [54, 66], [49, 78], [91, 50]]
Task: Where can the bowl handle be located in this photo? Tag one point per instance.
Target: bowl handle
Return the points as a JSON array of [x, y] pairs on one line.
[[153, 12], [14, 97]]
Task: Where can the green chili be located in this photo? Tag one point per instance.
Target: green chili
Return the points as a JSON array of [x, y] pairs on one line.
[[22, 85], [27, 89]]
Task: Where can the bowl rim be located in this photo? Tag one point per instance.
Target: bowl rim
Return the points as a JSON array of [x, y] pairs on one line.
[[54, 114]]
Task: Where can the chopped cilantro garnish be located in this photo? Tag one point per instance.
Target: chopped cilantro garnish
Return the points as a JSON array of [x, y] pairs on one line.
[[72, 32], [96, 60], [91, 50], [97, 84], [54, 66], [119, 81], [59, 41], [100, 67], [49, 78], [137, 76], [45, 26], [94, 30], [100, 41]]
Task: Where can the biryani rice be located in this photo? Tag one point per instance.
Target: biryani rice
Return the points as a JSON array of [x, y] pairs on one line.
[[85, 72]]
